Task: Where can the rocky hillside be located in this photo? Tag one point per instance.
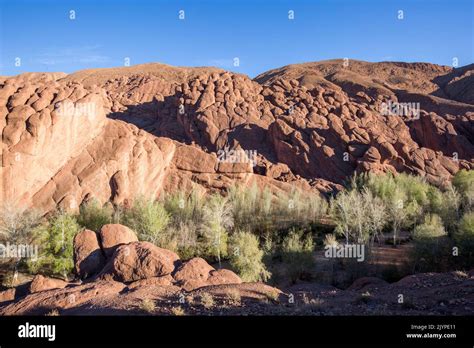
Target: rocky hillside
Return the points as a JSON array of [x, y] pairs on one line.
[[113, 134], [121, 276]]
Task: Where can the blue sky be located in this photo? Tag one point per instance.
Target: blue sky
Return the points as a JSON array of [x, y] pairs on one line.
[[213, 33]]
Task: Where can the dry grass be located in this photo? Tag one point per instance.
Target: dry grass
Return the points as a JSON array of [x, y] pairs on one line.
[[460, 274], [148, 305], [234, 296], [273, 295], [178, 311], [53, 313], [207, 300]]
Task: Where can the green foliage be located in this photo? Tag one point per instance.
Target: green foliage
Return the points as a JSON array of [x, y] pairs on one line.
[[446, 204], [297, 255], [464, 183], [246, 257], [149, 220], [432, 227], [93, 216], [466, 226], [184, 239], [185, 207], [217, 220], [464, 240], [56, 240], [263, 212], [431, 251]]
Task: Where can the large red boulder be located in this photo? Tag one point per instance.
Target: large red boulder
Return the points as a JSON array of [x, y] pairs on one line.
[[197, 273], [88, 256], [113, 235], [140, 260], [41, 283]]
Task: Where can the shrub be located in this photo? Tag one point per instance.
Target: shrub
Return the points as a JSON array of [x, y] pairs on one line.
[[297, 255], [149, 220], [207, 300], [56, 238], [148, 305], [466, 226], [464, 240], [252, 208], [183, 238], [447, 205], [93, 216], [431, 228], [178, 311], [184, 207], [17, 225], [246, 257], [217, 220], [234, 296], [464, 183], [431, 251]]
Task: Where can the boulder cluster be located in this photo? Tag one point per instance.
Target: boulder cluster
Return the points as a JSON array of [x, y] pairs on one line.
[[116, 254]]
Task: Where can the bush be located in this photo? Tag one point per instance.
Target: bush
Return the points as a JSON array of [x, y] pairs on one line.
[[246, 257], [17, 225], [184, 207], [464, 183], [149, 220], [93, 216], [466, 226], [431, 228], [56, 240], [431, 251], [263, 213], [464, 240], [184, 239], [447, 205], [297, 255], [252, 208]]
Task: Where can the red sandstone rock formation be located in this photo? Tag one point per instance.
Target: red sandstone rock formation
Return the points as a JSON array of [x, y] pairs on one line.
[[114, 134]]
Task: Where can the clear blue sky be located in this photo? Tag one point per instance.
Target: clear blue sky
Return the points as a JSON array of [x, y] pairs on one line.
[[213, 32]]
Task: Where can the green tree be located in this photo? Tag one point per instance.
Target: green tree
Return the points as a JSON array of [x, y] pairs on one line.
[[149, 219], [246, 257], [217, 220], [56, 240], [92, 215]]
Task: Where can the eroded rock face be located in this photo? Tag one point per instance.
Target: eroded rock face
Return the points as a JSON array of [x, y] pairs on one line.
[[116, 134]]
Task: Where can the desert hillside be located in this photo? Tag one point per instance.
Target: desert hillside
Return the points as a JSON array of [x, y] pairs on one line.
[[114, 134]]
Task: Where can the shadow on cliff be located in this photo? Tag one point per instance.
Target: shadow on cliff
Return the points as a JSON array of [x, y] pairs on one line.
[[166, 119]]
